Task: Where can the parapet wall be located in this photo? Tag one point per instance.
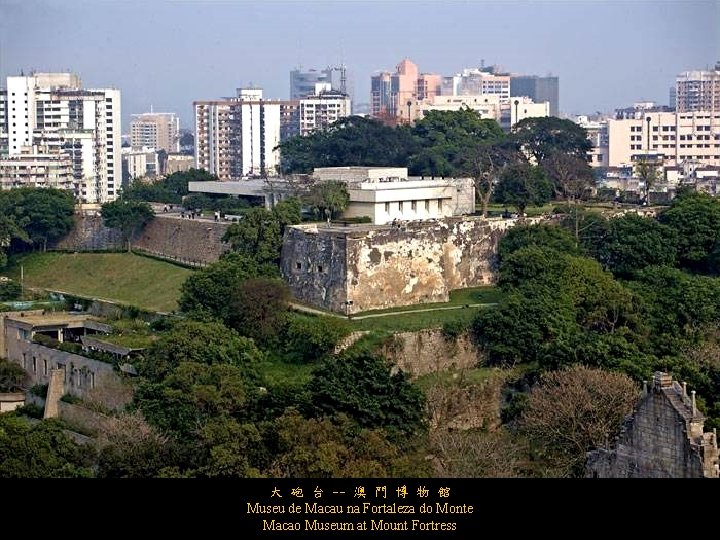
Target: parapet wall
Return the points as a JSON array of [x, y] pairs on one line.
[[354, 269], [191, 241]]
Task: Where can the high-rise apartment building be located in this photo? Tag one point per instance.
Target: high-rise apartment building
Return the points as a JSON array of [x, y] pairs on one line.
[[698, 91], [238, 137], [326, 106], [160, 131], [52, 111], [539, 89]]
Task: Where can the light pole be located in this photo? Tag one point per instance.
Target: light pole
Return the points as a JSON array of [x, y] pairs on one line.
[[517, 102], [409, 104]]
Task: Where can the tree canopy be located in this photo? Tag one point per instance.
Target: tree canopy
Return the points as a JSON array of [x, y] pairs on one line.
[[128, 216], [523, 185], [543, 136]]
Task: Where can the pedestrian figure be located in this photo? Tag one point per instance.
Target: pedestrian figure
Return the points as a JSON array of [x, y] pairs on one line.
[[182, 214], [165, 208]]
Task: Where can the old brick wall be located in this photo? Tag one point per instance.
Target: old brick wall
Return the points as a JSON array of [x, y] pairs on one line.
[[378, 267], [192, 241]]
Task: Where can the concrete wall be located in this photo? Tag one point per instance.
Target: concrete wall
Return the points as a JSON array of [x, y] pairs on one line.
[[662, 439], [81, 374], [191, 241], [11, 401], [361, 268]]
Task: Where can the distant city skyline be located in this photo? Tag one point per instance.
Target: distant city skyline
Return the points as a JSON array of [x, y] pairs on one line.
[[164, 54]]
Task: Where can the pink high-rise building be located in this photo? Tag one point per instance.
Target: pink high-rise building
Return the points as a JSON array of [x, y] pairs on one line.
[[394, 95]]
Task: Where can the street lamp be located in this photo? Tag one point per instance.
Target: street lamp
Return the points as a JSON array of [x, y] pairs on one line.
[[409, 104], [517, 102]]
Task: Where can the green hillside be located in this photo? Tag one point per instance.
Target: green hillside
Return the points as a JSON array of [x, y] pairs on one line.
[[122, 277]]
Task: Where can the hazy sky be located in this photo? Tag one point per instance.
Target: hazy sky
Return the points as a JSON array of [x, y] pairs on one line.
[[168, 53]]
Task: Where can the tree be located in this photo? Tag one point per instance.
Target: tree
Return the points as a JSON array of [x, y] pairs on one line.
[[44, 214], [677, 306], [573, 411], [542, 136], [206, 292], [258, 309], [523, 185], [40, 450], [350, 141], [335, 448], [258, 235], [308, 339], [128, 216], [443, 135], [199, 342], [484, 162], [632, 243], [540, 234], [696, 218], [647, 171], [572, 178], [328, 199], [129, 447], [13, 378], [9, 231], [364, 387]]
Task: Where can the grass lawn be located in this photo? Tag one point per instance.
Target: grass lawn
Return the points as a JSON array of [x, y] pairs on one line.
[[405, 318], [122, 277], [407, 322]]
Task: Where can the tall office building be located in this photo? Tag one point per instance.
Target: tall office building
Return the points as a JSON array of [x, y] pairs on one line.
[[238, 137], [160, 131], [302, 83], [538, 89], [478, 82], [393, 95], [51, 113], [698, 91]]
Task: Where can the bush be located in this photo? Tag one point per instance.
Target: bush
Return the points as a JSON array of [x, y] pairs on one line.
[[39, 390], [31, 410], [308, 339], [10, 290], [69, 398], [452, 329]]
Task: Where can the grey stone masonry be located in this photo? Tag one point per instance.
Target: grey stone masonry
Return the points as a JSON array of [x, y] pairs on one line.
[[663, 438]]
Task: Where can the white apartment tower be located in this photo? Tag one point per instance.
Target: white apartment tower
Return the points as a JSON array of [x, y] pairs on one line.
[[160, 131], [238, 137], [698, 91], [323, 108], [52, 112]]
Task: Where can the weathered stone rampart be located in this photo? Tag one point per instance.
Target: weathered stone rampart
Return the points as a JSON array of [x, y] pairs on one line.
[[359, 268], [191, 241]]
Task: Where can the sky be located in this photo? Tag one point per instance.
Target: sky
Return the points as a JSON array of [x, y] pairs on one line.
[[165, 54]]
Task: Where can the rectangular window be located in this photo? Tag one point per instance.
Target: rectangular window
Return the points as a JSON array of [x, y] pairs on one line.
[[413, 206], [400, 206], [387, 207], [298, 266], [24, 361], [34, 365], [427, 206], [45, 367], [319, 268], [439, 205]]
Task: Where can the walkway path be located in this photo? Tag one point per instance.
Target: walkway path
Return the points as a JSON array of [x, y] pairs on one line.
[[306, 309]]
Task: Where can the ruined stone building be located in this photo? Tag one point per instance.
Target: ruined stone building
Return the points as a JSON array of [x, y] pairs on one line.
[[350, 269], [663, 438]]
